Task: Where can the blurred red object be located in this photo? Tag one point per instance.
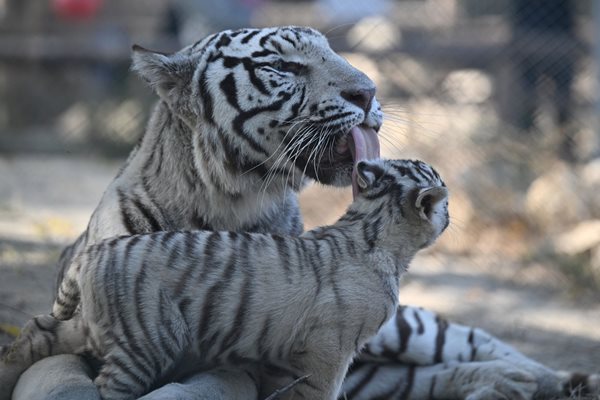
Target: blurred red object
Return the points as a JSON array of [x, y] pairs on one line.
[[76, 9]]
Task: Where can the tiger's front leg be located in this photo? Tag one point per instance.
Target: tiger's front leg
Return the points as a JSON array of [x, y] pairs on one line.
[[421, 337], [469, 381], [422, 345]]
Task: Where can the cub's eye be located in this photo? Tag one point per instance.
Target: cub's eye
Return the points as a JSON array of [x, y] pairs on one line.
[[289, 66]]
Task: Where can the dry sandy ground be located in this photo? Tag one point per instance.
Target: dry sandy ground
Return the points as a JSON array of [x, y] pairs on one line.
[[46, 201]]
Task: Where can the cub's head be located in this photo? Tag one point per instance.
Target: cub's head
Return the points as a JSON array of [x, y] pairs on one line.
[[408, 196], [273, 101]]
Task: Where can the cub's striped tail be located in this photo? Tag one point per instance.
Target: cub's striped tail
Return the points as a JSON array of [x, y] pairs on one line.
[[68, 295]]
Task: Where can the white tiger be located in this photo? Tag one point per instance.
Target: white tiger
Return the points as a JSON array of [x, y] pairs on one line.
[[244, 117], [302, 306]]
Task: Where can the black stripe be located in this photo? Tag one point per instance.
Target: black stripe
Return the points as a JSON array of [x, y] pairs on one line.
[[125, 369], [440, 339], [277, 46], [126, 218], [249, 36], [130, 351], [240, 119], [223, 41], [138, 308], [249, 66], [264, 39], [129, 346], [263, 53], [404, 330], [165, 323], [287, 39], [432, 387], [213, 256], [121, 291], [210, 300], [237, 328], [262, 338], [189, 244], [206, 97], [410, 380], [296, 106], [362, 383], [420, 326], [154, 224], [283, 252], [335, 117], [228, 86], [471, 341], [213, 37], [309, 259]]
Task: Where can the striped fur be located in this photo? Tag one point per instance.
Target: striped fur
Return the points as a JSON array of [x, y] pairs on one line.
[[244, 118], [302, 305], [418, 355], [201, 164]]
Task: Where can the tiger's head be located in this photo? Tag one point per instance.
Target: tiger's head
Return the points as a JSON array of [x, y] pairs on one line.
[[408, 200], [272, 101]]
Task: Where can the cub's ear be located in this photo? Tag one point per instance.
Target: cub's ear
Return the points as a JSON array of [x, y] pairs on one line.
[[162, 71], [428, 198], [368, 172]]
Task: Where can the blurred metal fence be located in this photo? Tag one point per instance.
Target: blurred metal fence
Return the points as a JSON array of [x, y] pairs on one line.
[[532, 60], [502, 95]]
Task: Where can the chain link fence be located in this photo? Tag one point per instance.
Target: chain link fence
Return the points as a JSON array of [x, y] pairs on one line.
[[501, 95]]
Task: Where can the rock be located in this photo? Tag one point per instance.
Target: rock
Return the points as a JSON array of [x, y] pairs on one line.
[[590, 182], [584, 237], [495, 188], [556, 200], [468, 86], [64, 377], [212, 385], [581, 246], [67, 377]]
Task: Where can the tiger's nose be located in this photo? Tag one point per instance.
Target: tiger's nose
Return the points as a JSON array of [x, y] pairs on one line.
[[361, 98]]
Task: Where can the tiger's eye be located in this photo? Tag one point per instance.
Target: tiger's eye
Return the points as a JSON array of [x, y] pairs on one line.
[[290, 67]]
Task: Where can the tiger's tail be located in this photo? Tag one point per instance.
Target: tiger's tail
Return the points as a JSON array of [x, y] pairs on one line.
[[68, 295]]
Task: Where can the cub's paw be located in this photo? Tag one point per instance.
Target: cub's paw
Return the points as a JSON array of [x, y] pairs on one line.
[[497, 380]]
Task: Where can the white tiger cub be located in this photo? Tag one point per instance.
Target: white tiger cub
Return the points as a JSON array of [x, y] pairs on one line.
[[305, 305]]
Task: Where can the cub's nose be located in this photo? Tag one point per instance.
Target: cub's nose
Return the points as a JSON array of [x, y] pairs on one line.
[[360, 97]]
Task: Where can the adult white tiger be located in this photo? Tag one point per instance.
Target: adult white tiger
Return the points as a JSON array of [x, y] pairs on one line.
[[244, 116]]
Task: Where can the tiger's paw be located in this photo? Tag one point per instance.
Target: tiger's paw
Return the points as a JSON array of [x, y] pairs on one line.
[[499, 381], [574, 384]]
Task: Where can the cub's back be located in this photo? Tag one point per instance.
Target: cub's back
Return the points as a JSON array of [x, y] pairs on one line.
[[197, 269]]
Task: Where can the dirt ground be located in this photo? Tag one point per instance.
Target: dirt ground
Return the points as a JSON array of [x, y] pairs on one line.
[[46, 201]]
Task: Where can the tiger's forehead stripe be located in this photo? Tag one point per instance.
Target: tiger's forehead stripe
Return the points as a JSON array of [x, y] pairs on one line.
[[416, 171], [297, 37]]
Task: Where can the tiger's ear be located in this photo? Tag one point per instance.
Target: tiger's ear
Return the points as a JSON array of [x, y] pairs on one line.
[[428, 198], [162, 71], [368, 173]]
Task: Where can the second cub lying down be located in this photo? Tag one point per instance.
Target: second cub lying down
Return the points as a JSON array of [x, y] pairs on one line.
[[302, 305]]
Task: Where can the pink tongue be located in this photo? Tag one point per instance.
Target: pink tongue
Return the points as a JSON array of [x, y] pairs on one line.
[[366, 147]]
